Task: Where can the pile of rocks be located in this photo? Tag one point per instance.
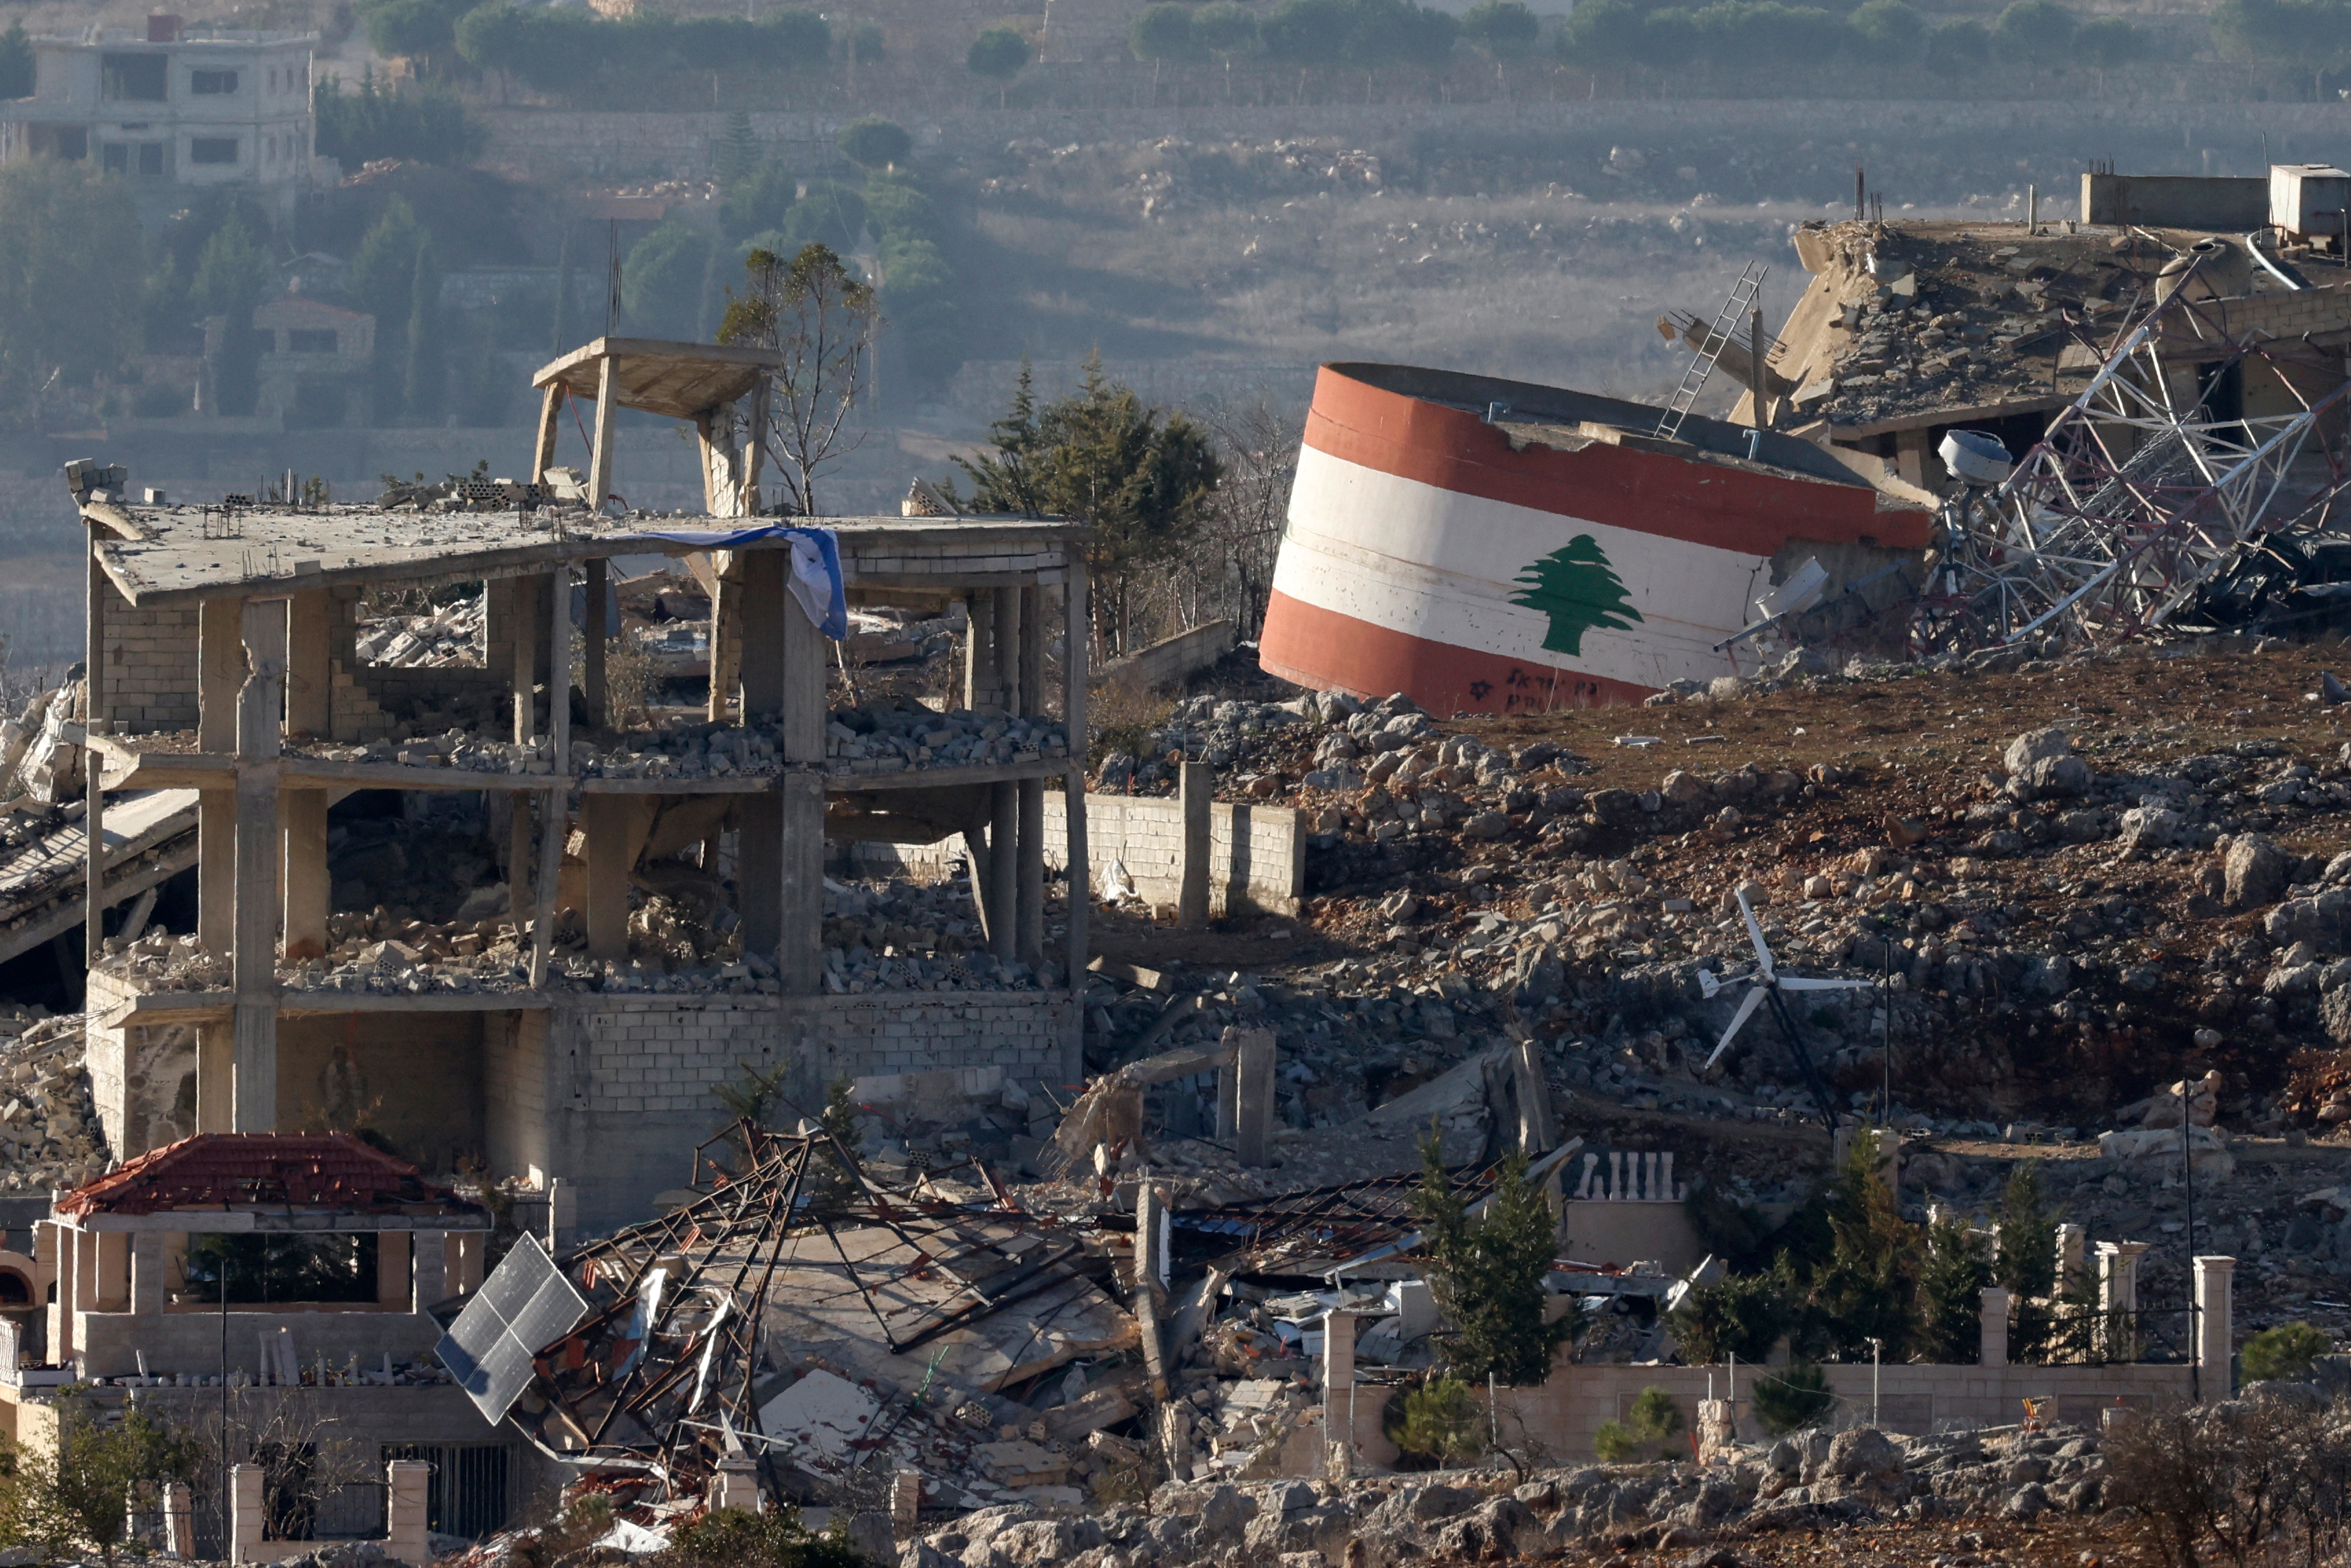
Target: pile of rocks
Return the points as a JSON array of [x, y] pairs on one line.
[[48, 1126], [876, 738], [1810, 1482], [37, 761], [451, 636], [897, 934]]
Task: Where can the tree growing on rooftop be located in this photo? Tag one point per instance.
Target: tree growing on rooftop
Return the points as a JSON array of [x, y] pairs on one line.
[[823, 318]]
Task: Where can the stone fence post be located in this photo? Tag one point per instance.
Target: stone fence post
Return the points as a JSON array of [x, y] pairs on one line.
[[2216, 1325], [408, 1493], [1994, 1352]]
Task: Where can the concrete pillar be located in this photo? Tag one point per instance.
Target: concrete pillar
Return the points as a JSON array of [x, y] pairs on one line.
[[1150, 1292], [408, 1497], [2216, 1333], [600, 456], [110, 1271], [1073, 805], [980, 693], [60, 1242], [1995, 1327], [309, 677], [429, 1269], [525, 601], [725, 641], [807, 656], [1252, 1069], [2118, 1297], [259, 737], [247, 1517], [394, 1257], [550, 404], [2071, 1241], [765, 605], [309, 885], [96, 715], [554, 805], [220, 672], [1004, 871], [1028, 879], [799, 799], [1196, 783], [1339, 1393], [179, 1521], [593, 637], [146, 1272], [605, 821], [215, 1077], [2118, 1275]]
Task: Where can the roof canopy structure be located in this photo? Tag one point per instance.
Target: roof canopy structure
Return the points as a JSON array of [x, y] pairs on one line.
[[676, 381], [255, 1177]]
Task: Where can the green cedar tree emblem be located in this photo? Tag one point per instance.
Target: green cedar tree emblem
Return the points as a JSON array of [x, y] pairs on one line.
[[1577, 588]]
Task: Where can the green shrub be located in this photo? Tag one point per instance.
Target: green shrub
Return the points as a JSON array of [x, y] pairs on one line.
[[1951, 1280], [1439, 1423], [873, 143], [998, 52], [1791, 1397], [1656, 1422], [1743, 1316], [2285, 1351]]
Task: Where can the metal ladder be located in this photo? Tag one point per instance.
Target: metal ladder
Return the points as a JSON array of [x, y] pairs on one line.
[[1717, 338]]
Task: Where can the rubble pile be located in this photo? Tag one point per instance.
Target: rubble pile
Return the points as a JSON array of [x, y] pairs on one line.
[[49, 1125], [893, 933], [1808, 1481], [448, 637], [36, 761], [874, 739]]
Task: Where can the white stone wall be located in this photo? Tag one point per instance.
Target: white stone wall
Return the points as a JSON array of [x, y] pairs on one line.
[[1564, 1414]]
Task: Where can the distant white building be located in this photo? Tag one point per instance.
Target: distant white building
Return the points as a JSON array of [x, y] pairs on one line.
[[172, 113]]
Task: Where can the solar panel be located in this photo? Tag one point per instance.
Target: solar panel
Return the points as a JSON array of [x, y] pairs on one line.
[[523, 1306]]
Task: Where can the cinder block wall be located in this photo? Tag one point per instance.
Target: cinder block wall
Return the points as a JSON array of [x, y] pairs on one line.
[[1564, 1414], [150, 679], [632, 1081], [1266, 872]]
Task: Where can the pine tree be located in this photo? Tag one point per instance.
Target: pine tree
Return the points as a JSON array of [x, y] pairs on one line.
[[1867, 1290], [736, 153], [1487, 1272], [2027, 1265], [1576, 588], [1951, 1282]]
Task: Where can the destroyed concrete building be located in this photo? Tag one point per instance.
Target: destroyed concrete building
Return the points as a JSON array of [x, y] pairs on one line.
[[471, 908]]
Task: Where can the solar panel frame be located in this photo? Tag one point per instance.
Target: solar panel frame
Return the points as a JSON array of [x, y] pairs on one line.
[[524, 1304]]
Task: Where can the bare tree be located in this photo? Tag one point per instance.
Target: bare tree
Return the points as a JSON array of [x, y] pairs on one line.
[[1257, 438], [307, 1457], [823, 319]]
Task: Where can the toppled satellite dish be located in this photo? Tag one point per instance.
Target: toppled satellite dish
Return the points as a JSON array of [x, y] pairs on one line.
[[524, 1304]]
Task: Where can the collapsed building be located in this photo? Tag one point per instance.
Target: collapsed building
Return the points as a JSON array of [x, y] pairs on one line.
[[475, 909], [1964, 436]]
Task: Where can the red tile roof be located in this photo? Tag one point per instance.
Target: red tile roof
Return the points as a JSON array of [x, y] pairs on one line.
[[303, 1170]]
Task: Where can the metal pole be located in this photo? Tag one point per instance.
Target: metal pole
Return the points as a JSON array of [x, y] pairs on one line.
[[1874, 1348], [2188, 1178]]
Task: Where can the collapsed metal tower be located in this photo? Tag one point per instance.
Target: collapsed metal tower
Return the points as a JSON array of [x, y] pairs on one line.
[[2143, 490]]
